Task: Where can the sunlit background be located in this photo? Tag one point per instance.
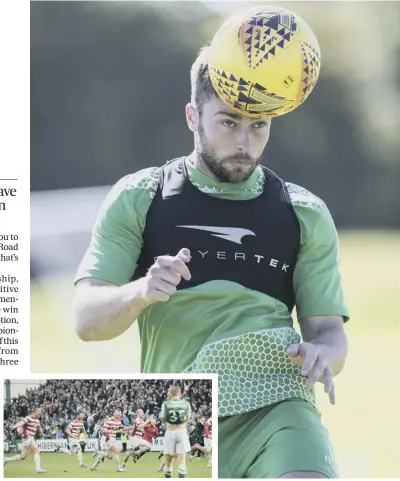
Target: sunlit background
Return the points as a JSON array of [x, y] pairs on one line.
[[109, 83]]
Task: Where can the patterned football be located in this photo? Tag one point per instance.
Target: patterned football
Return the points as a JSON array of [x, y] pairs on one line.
[[264, 61]]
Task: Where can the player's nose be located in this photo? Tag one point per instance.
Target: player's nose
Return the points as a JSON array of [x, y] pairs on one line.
[[243, 140]]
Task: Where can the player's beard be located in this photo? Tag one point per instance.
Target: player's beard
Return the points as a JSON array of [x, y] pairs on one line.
[[219, 166]]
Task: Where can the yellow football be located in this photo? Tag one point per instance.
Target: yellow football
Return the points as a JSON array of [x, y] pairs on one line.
[[264, 61]]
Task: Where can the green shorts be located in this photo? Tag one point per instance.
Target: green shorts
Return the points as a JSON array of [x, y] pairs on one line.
[[274, 440]]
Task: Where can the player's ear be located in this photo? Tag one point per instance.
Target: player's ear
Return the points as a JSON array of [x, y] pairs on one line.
[[192, 117]]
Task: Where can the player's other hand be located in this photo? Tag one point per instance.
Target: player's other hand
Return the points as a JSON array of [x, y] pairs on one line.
[[314, 366], [164, 275]]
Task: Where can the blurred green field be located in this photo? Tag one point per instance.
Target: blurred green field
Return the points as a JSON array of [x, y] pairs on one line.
[[63, 466], [365, 422]]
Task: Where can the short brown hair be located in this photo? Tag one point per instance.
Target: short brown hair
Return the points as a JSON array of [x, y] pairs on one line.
[[201, 86], [174, 391]]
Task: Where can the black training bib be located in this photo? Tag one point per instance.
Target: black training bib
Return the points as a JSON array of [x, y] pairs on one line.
[[254, 243]]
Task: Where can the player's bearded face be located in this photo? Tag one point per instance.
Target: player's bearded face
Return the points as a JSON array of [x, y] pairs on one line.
[[229, 144], [233, 168]]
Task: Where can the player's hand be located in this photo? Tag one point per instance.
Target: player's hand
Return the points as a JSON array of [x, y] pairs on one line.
[[164, 275], [314, 365]]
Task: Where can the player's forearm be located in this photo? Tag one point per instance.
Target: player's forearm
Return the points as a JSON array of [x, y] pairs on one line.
[[105, 312], [18, 425], [334, 344]]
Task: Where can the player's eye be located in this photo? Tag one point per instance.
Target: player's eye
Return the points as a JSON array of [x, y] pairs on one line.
[[229, 123], [259, 125]]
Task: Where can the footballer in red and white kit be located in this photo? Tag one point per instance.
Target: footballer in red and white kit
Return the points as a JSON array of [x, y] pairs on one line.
[[208, 440], [109, 447], [73, 430], [150, 431], [111, 428], [137, 444], [208, 434], [28, 428], [136, 439]]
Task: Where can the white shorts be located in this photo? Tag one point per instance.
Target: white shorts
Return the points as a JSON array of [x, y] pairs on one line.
[[208, 443], [74, 444], [106, 445], [176, 442], [136, 442], [29, 443], [103, 444]]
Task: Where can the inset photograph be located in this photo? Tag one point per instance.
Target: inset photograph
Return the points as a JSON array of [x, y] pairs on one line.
[[85, 428]]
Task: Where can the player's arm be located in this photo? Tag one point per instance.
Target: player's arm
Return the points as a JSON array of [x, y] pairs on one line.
[[121, 429], [189, 412], [103, 310], [106, 303], [163, 414], [18, 425], [323, 353], [320, 304], [328, 335]]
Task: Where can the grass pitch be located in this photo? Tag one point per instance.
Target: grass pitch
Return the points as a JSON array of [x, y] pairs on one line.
[[365, 422], [60, 465]]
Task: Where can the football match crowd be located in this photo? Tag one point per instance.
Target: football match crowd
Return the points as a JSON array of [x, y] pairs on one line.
[[62, 400]]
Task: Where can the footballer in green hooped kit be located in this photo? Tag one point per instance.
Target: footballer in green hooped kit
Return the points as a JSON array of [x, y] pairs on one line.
[[210, 254]]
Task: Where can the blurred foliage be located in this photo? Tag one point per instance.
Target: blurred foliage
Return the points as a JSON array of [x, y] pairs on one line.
[[110, 80]]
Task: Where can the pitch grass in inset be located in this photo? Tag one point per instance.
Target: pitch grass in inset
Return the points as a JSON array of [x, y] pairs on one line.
[[60, 465]]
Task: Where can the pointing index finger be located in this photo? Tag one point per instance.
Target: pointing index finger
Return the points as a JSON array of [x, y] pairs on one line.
[[176, 265], [184, 255], [179, 266], [329, 385]]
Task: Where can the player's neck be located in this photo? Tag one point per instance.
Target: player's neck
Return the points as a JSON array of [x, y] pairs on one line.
[[195, 159]]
